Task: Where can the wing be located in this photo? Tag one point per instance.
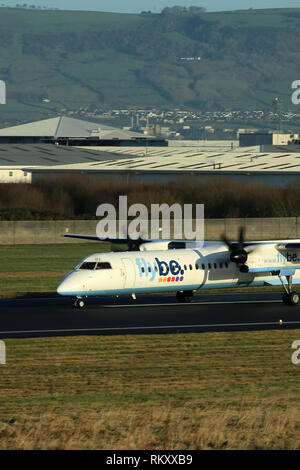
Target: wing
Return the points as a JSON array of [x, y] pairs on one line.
[[278, 269], [140, 243], [95, 238], [288, 245]]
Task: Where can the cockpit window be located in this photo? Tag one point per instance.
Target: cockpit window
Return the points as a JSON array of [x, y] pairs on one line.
[[87, 265], [103, 265]]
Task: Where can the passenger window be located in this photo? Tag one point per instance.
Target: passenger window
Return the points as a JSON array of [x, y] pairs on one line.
[[185, 268], [221, 265], [196, 266], [226, 264], [191, 267], [209, 266], [143, 270], [203, 266], [149, 269], [215, 265]]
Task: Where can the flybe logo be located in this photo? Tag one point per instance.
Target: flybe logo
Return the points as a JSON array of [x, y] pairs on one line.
[[165, 271]]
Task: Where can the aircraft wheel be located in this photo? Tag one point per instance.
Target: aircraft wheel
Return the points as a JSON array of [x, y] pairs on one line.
[[291, 299], [188, 298], [185, 297], [79, 303], [294, 298]]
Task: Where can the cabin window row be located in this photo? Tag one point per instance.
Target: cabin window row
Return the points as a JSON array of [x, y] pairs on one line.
[[190, 267]]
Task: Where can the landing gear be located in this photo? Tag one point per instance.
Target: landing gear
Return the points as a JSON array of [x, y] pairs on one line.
[[79, 303], [185, 296], [289, 297]]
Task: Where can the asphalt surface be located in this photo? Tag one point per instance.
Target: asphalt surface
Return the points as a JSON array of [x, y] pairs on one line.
[[149, 314]]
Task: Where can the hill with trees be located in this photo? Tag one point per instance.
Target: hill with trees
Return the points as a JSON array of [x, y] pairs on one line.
[[179, 58]]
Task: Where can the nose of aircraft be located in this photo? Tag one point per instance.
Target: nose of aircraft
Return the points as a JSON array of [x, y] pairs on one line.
[[67, 286]]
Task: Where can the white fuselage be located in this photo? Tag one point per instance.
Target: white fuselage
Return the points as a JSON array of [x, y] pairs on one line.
[[173, 270]]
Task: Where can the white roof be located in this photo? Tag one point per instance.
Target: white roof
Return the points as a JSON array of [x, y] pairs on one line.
[[46, 155], [186, 160], [63, 126]]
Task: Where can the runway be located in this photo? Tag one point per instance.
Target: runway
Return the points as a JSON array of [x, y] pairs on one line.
[[149, 314]]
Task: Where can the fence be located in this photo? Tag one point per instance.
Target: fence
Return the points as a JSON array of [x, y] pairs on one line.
[[50, 231]]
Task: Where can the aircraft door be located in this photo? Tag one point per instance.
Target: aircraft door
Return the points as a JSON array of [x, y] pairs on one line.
[[128, 273]]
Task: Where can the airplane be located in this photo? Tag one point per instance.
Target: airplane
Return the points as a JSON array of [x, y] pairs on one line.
[[184, 267]]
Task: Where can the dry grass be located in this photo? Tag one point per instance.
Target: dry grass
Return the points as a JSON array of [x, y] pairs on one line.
[[157, 428], [187, 391]]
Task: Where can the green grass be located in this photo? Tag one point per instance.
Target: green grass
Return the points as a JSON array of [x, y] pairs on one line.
[[38, 269]]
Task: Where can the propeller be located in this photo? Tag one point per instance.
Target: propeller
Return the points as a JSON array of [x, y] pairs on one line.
[[134, 245], [238, 254]]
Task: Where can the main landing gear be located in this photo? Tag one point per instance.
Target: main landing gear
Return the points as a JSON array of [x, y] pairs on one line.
[[184, 296], [289, 297], [78, 303]]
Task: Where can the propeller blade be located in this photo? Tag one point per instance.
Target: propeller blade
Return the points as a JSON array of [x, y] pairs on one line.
[[238, 253], [241, 238], [226, 241]]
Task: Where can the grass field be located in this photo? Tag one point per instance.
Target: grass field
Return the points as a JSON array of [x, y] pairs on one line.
[[185, 391], [28, 270]]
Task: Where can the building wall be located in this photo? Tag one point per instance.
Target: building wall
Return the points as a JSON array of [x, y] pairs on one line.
[[15, 176], [252, 139], [249, 140], [284, 139], [49, 231]]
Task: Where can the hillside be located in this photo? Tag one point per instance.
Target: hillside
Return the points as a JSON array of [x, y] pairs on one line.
[[90, 60]]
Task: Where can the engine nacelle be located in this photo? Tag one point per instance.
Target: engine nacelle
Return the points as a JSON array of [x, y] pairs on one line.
[[155, 245]]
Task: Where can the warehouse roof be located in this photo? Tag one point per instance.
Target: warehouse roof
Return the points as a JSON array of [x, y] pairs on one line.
[[63, 126], [50, 155], [182, 160]]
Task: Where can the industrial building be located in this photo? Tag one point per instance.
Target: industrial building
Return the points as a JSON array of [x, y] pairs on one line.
[[63, 130], [30, 162], [266, 139]]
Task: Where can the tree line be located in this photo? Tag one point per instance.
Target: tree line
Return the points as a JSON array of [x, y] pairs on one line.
[[77, 197]]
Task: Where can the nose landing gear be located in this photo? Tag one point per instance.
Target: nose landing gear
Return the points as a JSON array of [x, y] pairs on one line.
[[78, 303]]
